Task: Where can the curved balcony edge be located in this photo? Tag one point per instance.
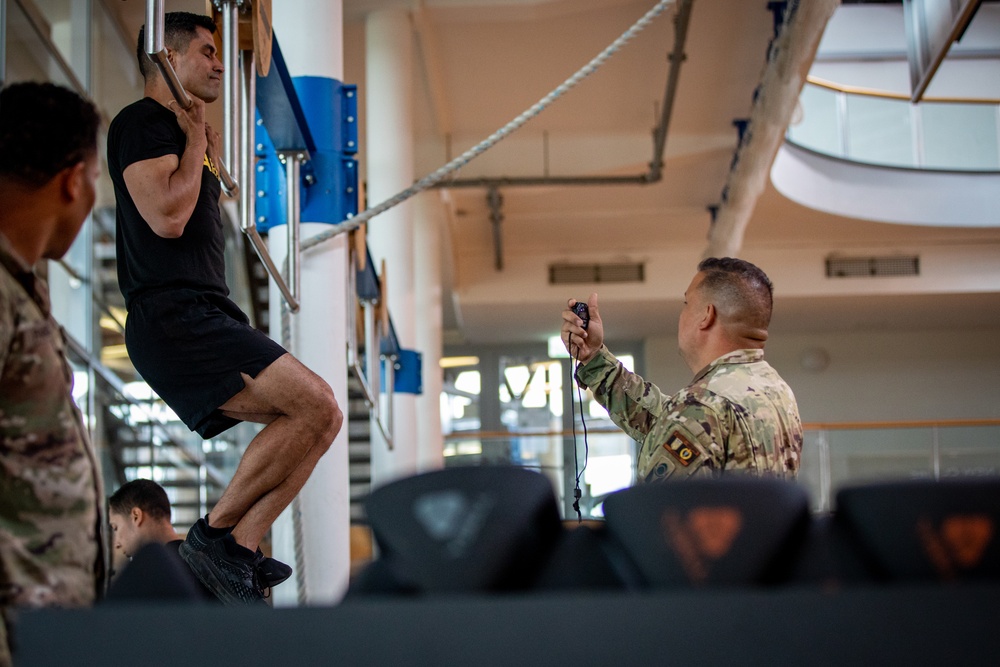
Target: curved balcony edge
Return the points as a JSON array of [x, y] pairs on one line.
[[886, 194]]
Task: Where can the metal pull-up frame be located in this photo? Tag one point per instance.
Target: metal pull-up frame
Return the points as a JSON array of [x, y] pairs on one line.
[[238, 108], [157, 52]]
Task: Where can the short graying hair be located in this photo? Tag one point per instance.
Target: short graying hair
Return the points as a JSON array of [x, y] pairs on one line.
[[741, 291]]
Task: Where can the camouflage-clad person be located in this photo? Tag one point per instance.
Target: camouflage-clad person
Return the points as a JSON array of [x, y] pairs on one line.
[[736, 415], [51, 500]]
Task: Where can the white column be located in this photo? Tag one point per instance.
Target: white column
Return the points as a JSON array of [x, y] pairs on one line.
[[427, 248], [389, 159], [311, 38]]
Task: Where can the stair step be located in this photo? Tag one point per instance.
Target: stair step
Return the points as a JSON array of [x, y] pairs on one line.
[[358, 514], [358, 430], [360, 490], [182, 504], [182, 483]]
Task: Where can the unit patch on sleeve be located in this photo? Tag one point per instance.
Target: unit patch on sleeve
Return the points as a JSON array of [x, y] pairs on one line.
[[681, 448]]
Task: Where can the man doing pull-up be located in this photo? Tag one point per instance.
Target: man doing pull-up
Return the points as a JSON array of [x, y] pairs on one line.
[[186, 338]]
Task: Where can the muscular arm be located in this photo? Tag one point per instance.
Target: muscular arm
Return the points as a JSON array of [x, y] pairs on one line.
[[165, 189], [683, 435], [633, 404]]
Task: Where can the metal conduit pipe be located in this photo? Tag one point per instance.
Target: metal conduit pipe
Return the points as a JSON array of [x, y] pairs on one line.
[[502, 181], [676, 57], [655, 172], [435, 178]]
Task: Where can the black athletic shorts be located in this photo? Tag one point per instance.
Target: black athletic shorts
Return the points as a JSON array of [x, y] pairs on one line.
[[191, 348]]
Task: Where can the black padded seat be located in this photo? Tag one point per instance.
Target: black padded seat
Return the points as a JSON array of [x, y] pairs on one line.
[[461, 530], [713, 532], [925, 530], [829, 559], [586, 558]]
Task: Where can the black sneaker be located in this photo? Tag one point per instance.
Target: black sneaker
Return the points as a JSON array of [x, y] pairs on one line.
[[232, 579], [270, 571]]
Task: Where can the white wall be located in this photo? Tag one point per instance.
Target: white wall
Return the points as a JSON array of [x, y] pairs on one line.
[[873, 376]]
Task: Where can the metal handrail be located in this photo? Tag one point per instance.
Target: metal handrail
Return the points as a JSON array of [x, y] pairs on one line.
[[833, 137], [374, 362], [158, 54], [806, 426], [248, 221], [293, 163], [42, 34], [116, 383], [873, 92], [369, 379]]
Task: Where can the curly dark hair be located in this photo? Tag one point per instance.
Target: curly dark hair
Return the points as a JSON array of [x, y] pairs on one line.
[[741, 288], [178, 29], [145, 494], [44, 128]]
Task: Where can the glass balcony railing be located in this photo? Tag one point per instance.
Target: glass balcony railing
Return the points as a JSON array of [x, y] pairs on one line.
[[833, 456], [885, 129], [606, 464]]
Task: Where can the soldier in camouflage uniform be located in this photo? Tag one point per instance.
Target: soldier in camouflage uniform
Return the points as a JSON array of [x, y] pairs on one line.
[[736, 415], [51, 500]]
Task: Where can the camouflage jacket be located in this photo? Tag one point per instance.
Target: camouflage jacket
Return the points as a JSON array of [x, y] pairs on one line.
[[51, 497], [737, 414]]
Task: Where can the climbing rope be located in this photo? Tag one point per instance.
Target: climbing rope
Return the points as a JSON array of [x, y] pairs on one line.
[[423, 184], [483, 146], [297, 535]]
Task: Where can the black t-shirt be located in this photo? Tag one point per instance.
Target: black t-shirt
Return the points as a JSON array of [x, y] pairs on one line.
[[146, 262]]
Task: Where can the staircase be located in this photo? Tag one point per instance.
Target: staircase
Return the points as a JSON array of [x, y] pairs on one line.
[[148, 451], [358, 448], [258, 288]]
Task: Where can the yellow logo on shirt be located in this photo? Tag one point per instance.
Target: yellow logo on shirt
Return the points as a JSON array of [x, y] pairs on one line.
[[211, 166]]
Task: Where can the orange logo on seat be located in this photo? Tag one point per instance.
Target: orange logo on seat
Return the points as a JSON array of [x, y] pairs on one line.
[[715, 528], [707, 533], [967, 537], [961, 541]]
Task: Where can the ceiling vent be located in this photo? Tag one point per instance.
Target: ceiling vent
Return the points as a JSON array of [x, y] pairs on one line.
[[872, 267], [562, 274]]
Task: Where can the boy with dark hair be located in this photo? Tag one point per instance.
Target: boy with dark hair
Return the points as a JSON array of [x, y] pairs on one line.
[[139, 513]]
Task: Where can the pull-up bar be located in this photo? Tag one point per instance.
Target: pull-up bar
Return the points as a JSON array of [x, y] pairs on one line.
[[158, 54]]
